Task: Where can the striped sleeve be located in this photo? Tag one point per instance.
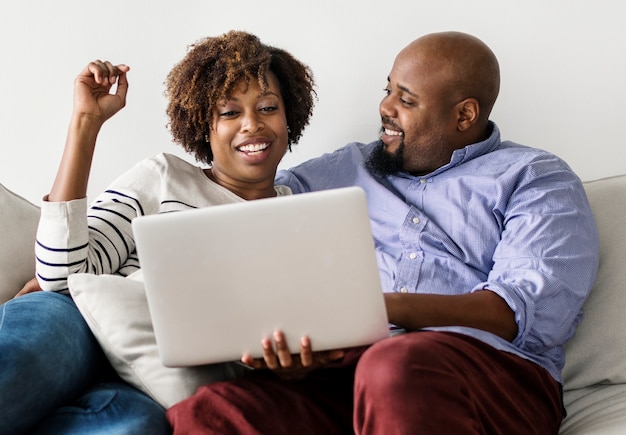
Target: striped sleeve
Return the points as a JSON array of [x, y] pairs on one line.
[[72, 238]]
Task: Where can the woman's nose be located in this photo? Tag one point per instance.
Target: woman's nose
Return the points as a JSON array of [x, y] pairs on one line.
[[251, 123]]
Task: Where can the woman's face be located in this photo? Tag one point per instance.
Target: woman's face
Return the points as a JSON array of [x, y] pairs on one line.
[[249, 136]]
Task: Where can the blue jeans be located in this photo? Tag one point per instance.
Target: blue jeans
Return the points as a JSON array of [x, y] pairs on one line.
[[51, 375]]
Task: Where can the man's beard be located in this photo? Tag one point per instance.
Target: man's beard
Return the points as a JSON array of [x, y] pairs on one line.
[[381, 162]]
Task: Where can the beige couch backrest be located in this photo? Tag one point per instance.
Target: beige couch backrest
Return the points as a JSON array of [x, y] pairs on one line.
[[597, 353]]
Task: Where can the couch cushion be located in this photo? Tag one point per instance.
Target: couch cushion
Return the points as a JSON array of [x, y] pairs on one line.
[[597, 410], [116, 310], [18, 225], [596, 353]]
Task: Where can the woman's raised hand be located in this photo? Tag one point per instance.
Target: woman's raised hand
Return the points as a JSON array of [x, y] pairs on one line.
[[92, 90], [93, 105]]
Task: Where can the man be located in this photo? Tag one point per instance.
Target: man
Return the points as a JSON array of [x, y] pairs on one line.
[[487, 250]]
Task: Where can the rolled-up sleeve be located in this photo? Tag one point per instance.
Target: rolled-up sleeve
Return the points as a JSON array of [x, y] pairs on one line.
[[546, 261]]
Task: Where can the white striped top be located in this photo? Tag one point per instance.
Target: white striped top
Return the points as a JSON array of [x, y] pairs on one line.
[[73, 238]]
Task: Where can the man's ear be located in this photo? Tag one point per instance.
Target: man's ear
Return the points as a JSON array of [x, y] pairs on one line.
[[468, 111]]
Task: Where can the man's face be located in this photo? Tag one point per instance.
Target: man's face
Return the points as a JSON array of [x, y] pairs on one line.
[[418, 118]]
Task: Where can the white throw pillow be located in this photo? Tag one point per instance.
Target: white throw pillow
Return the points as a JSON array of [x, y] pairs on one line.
[[18, 226], [596, 353], [116, 310]]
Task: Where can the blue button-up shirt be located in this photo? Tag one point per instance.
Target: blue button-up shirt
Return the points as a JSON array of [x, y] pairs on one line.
[[500, 216]]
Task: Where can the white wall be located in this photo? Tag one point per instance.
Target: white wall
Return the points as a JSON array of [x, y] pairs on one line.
[[563, 65]]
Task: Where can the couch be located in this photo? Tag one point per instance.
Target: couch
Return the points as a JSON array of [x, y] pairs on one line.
[[595, 370]]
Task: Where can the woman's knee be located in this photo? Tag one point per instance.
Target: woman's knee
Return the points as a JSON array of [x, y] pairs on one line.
[[112, 407], [46, 325], [47, 354], [34, 311], [44, 337]]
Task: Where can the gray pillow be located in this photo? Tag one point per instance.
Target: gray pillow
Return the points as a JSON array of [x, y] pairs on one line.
[[18, 226]]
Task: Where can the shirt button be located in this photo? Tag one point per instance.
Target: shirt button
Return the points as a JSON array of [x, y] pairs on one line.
[[416, 220], [423, 180], [404, 290], [412, 255]]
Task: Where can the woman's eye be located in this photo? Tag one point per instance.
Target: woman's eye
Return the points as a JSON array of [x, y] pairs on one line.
[[387, 91], [268, 109], [228, 114]]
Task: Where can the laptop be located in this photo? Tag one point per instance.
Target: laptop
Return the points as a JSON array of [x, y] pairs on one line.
[[221, 278]]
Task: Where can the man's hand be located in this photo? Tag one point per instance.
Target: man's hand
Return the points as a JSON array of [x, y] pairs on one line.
[[287, 365]]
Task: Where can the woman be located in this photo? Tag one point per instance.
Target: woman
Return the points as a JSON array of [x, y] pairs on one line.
[[236, 105]]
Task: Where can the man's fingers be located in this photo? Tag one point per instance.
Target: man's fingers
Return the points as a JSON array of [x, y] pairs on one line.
[[282, 351], [306, 354], [268, 354]]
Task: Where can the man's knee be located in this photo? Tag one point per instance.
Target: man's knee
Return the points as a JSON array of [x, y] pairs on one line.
[[389, 365], [396, 351]]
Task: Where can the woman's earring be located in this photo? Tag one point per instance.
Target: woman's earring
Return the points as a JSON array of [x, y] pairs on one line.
[[206, 138]]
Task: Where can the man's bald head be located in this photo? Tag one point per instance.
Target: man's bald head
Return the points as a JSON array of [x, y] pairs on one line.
[[439, 95], [465, 66]]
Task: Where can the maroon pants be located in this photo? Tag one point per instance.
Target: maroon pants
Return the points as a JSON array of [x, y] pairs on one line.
[[417, 383]]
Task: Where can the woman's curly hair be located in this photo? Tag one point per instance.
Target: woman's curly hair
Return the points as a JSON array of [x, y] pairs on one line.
[[209, 73]]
